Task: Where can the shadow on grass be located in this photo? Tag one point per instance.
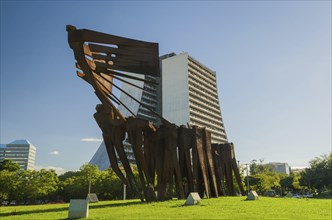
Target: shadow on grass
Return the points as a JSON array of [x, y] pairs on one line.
[[251, 200], [50, 210], [183, 205]]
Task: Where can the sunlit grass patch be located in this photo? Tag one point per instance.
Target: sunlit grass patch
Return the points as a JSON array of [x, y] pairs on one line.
[[219, 208]]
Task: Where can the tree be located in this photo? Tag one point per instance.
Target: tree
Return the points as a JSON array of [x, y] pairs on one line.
[[263, 177], [9, 185], [286, 184], [75, 185], [9, 165], [109, 186], [69, 174], [72, 188], [34, 185], [290, 183], [296, 181], [89, 173], [319, 174], [47, 183], [259, 168], [264, 181]]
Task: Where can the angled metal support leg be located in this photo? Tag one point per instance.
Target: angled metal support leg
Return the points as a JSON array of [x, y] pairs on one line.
[[210, 164]]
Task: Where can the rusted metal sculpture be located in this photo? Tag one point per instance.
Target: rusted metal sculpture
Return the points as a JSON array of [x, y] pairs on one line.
[[225, 163], [137, 128], [186, 142], [168, 167], [98, 65], [176, 156]]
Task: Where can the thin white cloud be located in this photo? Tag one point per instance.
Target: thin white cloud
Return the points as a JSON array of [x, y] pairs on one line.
[[91, 140], [58, 170], [55, 152]]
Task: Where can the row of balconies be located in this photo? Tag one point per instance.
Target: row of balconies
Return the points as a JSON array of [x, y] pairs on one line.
[[198, 68], [215, 140], [202, 91], [146, 111], [146, 114], [141, 107], [146, 85], [151, 96], [222, 136], [208, 117], [204, 107], [151, 106], [202, 85], [203, 81], [195, 92], [150, 92], [17, 154], [198, 118], [218, 135], [148, 101], [211, 81], [150, 78], [17, 159], [204, 110], [206, 123], [147, 97], [20, 148]]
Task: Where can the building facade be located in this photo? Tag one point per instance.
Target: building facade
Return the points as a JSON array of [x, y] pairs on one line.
[[185, 93], [281, 167], [100, 158], [190, 95], [21, 152]]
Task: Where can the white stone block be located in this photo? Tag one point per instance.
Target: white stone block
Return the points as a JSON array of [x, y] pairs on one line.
[[289, 195], [92, 197], [78, 208], [252, 195], [193, 199]]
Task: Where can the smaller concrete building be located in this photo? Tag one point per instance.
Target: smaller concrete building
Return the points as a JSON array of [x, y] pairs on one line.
[[281, 167], [21, 152]]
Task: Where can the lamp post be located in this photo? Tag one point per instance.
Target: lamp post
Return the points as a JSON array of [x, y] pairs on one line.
[[90, 182], [247, 165]]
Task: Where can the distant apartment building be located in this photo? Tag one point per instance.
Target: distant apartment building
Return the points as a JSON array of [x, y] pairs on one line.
[[186, 92], [281, 167], [21, 152]]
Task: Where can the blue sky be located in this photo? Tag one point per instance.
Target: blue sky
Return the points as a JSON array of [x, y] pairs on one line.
[[273, 64]]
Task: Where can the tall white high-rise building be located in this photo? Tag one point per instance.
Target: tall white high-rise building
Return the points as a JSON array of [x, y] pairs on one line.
[[21, 152], [190, 95]]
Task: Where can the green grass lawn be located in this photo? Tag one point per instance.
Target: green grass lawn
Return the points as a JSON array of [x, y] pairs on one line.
[[220, 208]]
